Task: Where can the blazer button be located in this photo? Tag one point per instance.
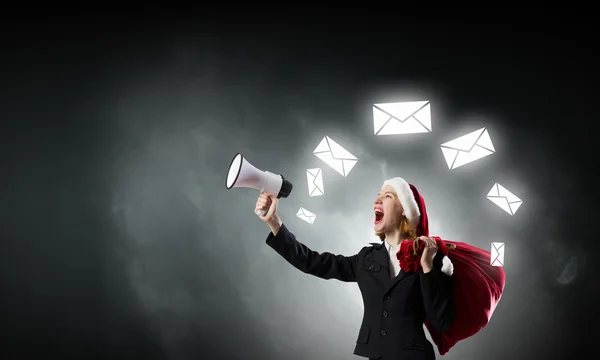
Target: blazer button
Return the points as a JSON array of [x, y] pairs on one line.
[[383, 333], [385, 314], [388, 297], [371, 267], [416, 343]]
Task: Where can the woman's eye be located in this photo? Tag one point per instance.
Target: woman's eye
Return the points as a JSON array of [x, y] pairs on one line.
[[388, 196]]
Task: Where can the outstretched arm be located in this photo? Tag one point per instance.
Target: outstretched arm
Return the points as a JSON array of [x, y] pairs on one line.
[[324, 265]]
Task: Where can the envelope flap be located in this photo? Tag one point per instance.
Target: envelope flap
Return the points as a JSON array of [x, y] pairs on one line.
[[424, 116], [311, 182], [485, 141], [494, 191], [314, 172], [308, 213], [380, 118], [339, 152], [402, 110], [497, 254], [465, 142], [509, 196], [501, 202], [323, 146]]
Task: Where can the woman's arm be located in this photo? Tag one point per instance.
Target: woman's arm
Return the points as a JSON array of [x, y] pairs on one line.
[[325, 265], [438, 298]]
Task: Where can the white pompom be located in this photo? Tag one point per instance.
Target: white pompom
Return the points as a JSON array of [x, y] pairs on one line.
[[447, 266]]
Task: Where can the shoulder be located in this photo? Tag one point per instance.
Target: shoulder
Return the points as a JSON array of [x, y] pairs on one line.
[[366, 250], [374, 246]]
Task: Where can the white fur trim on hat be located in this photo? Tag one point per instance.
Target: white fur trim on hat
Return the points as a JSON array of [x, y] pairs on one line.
[[447, 266], [406, 197]]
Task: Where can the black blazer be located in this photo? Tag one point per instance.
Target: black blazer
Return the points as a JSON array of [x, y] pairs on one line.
[[394, 309]]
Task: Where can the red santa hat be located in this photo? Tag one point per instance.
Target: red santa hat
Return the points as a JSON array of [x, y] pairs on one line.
[[415, 211], [412, 203]]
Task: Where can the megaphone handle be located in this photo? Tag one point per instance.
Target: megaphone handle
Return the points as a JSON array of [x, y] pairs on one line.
[[261, 212]]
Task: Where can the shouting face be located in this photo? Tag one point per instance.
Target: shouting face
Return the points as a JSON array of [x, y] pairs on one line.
[[388, 210]]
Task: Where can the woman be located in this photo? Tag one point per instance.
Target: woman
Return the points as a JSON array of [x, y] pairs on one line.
[[396, 303]]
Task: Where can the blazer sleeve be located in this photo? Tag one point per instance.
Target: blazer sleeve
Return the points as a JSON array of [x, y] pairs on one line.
[[325, 265], [438, 297]]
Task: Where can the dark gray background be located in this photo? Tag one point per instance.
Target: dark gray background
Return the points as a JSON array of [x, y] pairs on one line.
[[121, 241]]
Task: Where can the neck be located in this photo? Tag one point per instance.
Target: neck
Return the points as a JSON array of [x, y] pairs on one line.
[[393, 238]]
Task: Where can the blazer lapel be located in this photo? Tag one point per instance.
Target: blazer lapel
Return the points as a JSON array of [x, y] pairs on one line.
[[397, 279], [380, 256]]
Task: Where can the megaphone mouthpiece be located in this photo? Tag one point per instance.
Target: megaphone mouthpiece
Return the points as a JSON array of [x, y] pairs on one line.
[[286, 188]]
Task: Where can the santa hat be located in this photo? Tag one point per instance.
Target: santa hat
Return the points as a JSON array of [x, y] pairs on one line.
[[415, 211], [412, 203]]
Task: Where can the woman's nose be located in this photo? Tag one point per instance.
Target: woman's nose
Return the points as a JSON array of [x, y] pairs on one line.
[[377, 201]]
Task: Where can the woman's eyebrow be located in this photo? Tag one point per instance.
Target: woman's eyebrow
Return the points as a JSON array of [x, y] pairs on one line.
[[387, 192]]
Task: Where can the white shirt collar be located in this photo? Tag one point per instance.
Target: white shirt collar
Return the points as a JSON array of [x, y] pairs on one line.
[[391, 248]]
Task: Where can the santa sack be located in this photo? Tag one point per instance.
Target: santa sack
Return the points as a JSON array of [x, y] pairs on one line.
[[478, 287]]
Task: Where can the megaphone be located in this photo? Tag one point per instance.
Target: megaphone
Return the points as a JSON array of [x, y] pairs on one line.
[[243, 174]]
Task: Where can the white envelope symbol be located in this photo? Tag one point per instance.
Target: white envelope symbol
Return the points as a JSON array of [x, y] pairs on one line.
[[335, 156], [497, 254], [506, 200], [468, 148], [306, 215], [315, 182], [410, 117]]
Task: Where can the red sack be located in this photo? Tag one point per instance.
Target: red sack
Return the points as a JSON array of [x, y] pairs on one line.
[[478, 287]]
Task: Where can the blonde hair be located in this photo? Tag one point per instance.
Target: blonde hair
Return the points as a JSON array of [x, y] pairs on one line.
[[407, 231]]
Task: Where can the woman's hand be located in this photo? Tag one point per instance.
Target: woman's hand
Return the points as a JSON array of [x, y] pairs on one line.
[[267, 204], [429, 253]]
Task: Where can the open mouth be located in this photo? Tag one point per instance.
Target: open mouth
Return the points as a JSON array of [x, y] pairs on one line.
[[378, 215]]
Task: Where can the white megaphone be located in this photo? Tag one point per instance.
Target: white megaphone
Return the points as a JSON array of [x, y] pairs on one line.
[[243, 174]]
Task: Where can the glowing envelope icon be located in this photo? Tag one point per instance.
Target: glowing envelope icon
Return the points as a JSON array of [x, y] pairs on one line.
[[315, 182], [468, 148], [497, 254], [306, 215], [506, 200], [411, 117], [335, 156]]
